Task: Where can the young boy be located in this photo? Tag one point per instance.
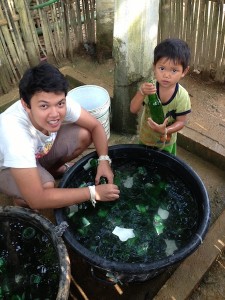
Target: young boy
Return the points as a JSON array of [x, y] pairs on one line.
[[171, 63], [39, 134]]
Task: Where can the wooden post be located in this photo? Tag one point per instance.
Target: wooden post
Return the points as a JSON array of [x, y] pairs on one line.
[[29, 40], [135, 37], [164, 19]]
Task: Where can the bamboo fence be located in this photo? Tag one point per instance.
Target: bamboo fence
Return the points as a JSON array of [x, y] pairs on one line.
[[33, 30], [201, 23]]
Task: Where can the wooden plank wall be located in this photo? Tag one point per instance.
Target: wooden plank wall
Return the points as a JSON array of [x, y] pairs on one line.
[[202, 24], [31, 32]]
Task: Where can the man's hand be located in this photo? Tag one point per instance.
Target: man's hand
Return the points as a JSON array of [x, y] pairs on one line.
[[106, 192], [104, 170]]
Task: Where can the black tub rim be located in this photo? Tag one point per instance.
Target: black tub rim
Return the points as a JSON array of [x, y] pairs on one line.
[[140, 268], [49, 228]]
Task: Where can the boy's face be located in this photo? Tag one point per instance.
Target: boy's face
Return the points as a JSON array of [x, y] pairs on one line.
[[168, 73], [47, 111]]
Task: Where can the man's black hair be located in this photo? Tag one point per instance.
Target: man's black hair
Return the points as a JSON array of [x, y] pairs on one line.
[[42, 78], [174, 49]]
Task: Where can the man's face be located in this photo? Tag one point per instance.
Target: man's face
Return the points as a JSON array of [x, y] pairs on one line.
[[47, 111]]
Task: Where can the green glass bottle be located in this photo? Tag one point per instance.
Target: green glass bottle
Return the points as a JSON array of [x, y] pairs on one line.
[[102, 213], [28, 233], [155, 107], [117, 178], [103, 180], [2, 265], [92, 163], [158, 224], [16, 297], [35, 279], [6, 288]]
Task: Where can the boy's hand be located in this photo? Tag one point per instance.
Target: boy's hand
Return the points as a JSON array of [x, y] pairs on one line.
[[148, 88], [160, 128]]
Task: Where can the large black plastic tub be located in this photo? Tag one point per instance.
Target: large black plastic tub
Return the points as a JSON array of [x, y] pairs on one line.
[[139, 272], [36, 221]]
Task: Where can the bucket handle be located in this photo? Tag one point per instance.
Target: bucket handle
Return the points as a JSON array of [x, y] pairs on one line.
[[112, 280], [60, 229]]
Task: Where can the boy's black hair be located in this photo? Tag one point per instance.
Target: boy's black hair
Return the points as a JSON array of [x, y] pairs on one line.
[[174, 49], [42, 78]]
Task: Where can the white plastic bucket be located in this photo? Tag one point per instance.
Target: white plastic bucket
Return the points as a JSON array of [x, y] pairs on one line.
[[96, 100]]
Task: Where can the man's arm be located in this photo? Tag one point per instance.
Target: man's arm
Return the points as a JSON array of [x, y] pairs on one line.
[[100, 141], [39, 197]]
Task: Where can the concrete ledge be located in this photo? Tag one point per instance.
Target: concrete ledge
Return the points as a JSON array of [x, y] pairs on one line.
[[203, 146], [75, 77], [7, 99], [79, 78]]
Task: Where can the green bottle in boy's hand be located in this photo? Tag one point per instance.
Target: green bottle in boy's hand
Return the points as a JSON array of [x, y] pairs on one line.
[[155, 107]]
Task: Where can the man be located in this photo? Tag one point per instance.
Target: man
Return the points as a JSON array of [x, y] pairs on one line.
[[39, 134]]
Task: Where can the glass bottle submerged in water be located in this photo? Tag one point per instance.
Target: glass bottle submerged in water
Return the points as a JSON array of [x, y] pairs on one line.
[[156, 209], [29, 267]]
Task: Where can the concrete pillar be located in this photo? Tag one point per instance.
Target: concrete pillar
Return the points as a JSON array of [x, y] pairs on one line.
[[104, 28], [135, 37]]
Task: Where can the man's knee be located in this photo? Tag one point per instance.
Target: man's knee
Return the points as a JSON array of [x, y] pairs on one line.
[[85, 138], [48, 185]]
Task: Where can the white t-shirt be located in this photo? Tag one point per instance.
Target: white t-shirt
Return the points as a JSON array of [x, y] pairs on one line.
[[20, 142]]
